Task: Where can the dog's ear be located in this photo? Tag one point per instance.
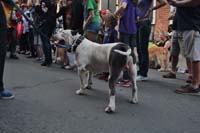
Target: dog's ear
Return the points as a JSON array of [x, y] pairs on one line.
[[74, 32]]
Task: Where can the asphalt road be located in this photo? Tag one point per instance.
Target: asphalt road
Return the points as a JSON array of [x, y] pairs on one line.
[[46, 103]]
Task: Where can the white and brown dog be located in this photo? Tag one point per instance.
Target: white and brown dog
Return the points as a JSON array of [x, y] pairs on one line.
[[92, 57]]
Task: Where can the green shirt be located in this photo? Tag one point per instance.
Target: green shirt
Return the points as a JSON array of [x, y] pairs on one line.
[[93, 5]]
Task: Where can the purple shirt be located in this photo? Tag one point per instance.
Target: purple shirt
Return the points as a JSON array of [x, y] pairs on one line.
[[143, 7], [128, 19], [110, 36]]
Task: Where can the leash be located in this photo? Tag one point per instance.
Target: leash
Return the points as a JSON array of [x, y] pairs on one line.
[[75, 44]]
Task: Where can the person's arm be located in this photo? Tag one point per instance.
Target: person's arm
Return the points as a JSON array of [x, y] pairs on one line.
[[182, 3], [120, 9], [89, 19], [160, 4], [91, 8]]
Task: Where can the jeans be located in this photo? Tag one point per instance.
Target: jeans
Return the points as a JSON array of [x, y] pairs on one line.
[[144, 30], [93, 27], [3, 33], [131, 41]]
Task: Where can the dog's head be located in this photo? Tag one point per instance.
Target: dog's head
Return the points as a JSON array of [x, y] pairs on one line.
[[68, 36], [65, 37]]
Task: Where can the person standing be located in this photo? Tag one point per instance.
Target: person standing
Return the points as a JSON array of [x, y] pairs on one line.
[[4, 94], [189, 10], [144, 10], [47, 12], [127, 30], [11, 19], [92, 24]]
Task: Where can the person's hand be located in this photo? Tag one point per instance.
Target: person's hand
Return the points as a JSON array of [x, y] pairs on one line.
[[148, 13]]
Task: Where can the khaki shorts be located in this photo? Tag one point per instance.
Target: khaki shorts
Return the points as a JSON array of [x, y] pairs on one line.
[[192, 45], [177, 44]]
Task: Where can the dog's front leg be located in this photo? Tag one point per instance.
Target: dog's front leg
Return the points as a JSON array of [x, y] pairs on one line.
[[83, 80], [89, 81]]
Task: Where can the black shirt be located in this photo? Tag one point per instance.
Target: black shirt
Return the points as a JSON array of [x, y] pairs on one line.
[[188, 18], [77, 14]]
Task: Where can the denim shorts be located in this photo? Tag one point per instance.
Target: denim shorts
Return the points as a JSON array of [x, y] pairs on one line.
[[93, 27]]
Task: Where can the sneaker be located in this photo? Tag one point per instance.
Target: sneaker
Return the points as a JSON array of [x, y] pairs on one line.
[[126, 83], [6, 95], [187, 90], [170, 75], [141, 78]]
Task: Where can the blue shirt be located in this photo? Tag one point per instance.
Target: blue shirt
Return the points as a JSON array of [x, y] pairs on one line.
[[143, 7], [128, 17]]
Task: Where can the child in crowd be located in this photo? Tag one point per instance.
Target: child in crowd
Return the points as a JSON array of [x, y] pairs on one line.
[[110, 36]]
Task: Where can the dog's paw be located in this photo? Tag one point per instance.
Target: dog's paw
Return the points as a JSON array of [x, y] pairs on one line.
[[80, 92], [109, 110], [134, 101]]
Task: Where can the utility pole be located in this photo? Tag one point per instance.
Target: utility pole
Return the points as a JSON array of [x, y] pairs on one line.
[[108, 4]]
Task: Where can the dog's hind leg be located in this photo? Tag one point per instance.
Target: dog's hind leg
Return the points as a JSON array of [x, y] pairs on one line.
[[114, 74], [133, 75]]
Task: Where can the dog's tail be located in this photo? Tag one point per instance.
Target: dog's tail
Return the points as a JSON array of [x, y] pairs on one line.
[[127, 53]]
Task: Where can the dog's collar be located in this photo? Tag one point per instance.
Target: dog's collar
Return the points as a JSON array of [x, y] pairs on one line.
[[76, 43]]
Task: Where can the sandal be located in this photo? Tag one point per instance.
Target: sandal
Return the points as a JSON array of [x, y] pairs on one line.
[[170, 75]]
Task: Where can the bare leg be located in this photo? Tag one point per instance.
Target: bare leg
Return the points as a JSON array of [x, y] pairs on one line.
[[196, 73]]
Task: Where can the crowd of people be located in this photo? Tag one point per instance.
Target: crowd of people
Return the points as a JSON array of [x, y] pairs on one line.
[[130, 23]]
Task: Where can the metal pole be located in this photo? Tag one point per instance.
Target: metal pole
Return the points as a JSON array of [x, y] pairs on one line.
[[108, 4]]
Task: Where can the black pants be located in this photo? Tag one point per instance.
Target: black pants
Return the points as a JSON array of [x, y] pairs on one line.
[[12, 40], [46, 44], [3, 33], [144, 30], [31, 42]]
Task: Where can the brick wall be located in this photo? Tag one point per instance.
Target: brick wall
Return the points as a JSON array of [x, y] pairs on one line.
[[161, 23]]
